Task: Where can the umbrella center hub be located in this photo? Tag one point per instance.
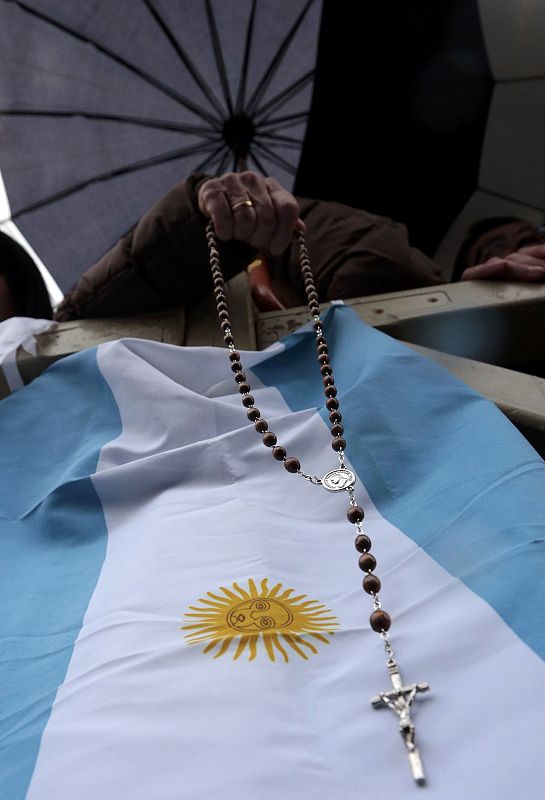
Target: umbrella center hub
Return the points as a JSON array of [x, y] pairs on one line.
[[239, 132]]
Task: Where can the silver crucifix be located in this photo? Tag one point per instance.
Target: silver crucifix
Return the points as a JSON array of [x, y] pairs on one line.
[[400, 700]]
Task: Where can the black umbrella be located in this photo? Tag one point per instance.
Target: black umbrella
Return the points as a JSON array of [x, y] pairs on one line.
[[408, 114], [104, 105]]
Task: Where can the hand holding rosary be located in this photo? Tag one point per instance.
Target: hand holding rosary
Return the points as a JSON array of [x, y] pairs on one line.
[[400, 697]]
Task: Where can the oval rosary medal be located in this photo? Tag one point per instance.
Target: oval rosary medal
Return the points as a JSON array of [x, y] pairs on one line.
[[338, 479]]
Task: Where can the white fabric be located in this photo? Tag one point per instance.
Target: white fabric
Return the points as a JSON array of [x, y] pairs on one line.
[[14, 333]]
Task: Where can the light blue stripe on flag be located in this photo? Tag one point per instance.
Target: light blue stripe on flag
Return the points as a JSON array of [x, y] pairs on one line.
[[440, 462], [52, 545]]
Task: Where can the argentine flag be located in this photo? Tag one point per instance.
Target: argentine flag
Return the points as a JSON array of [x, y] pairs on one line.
[[184, 620]]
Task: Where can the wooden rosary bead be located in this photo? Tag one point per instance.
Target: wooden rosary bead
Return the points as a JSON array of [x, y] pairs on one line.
[[222, 307], [330, 391], [323, 359], [318, 324], [244, 388], [355, 514], [371, 584], [279, 453], [335, 415], [219, 295], [292, 465], [328, 381], [326, 370], [337, 430], [253, 414], [380, 621], [269, 439], [313, 296], [362, 543], [338, 443], [323, 349], [223, 315], [332, 404], [261, 425], [236, 366], [240, 377], [234, 356], [247, 400], [314, 308], [225, 325], [228, 339], [367, 562], [219, 283], [320, 340]]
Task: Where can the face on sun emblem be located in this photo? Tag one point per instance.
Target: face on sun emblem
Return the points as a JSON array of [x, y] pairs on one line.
[[249, 618], [259, 615]]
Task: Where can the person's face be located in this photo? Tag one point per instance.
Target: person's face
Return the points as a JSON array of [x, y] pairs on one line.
[[501, 241], [7, 304]]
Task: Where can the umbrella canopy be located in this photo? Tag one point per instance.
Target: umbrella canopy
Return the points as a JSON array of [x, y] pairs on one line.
[[447, 115], [104, 106], [511, 176], [415, 85]]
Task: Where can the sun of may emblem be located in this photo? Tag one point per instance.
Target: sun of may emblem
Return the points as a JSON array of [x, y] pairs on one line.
[[245, 618]]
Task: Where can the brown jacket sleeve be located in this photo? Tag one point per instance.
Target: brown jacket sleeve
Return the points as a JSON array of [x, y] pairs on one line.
[[354, 253], [162, 261]]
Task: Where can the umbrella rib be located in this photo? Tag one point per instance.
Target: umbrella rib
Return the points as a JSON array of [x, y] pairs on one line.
[[114, 173], [211, 158], [223, 162], [286, 141], [286, 121], [525, 79], [184, 57], [278, 160], [506, 197], [246, 60], [218, 55], [146, 76], [275, 63], [142, 121], [286, 94], [259, 165]]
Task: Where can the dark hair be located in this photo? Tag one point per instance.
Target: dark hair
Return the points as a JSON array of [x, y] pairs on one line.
[[24, 279], [474, 232]]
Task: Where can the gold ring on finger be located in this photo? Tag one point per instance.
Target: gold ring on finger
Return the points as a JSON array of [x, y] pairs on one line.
[[249, 203]]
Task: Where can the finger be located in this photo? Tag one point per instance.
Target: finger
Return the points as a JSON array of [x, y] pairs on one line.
[[265, 215], [213, 203], [536, 250], [287, 215], [493, 268], [243, 216], [529, 273], [504, 269], [525, 258]]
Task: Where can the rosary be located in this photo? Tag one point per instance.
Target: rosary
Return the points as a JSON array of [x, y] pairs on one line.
[[399, 699]]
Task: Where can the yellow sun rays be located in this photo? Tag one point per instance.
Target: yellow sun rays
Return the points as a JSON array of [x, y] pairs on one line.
[[247, 618]]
